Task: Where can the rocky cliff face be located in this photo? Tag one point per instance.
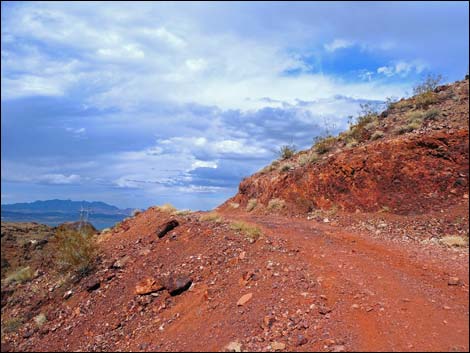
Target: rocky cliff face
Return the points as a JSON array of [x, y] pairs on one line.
[[408, 160]]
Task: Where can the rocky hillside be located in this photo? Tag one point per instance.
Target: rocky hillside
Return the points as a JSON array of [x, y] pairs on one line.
[[358, 244], [411, 158]]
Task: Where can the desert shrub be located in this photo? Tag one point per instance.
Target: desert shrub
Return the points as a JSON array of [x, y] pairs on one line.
[[252, 233], [431, 114], [454, 240], [276, 204], [211, 217], [390, 102], [40, 319], [251, 204], [377, 135], [368, 110], [414, 120], [423, 91], [352, 143], [11, 325], [325, 144], [427, 84], [285, 168], [182, 212], [76, 251], [313, 157], [20, 275], [364, 123], [168, 208], [425, 99], [136, 212], [303, 159], [409, 127], [414, 116], [234, 205], [403, 104], [286, 151]]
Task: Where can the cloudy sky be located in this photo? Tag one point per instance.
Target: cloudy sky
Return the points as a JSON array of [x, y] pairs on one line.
[[138, 104]]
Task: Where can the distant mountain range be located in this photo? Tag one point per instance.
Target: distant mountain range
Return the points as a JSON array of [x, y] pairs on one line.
[[54, 212]]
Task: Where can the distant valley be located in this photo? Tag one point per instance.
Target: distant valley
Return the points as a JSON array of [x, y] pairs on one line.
[[54, 212]]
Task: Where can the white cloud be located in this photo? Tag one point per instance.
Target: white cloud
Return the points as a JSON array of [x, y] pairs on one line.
[[168, 37], [77, 131], [338, 44], [127, 62], [204, 164], [402, 68], [60, 178], [196, 64]]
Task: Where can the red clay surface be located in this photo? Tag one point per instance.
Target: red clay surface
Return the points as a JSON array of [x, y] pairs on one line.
[[339, 290]]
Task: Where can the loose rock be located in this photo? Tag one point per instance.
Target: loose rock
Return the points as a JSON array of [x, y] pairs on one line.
[[244, 299], [278, 346], [92, 284], [147, 286], [177, 285], [166, 227]]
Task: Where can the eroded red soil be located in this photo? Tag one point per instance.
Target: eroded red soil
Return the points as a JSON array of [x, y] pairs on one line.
[[314, 287]]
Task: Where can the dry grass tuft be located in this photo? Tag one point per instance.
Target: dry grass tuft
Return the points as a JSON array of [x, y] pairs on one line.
[[454, 240], [252, 233], [211, 217], [20, 275], [76, 252], [276, 204], [250, 206], [168, 208]]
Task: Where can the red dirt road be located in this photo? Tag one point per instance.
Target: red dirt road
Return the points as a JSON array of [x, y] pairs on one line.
[[385, 296], [315, 287]]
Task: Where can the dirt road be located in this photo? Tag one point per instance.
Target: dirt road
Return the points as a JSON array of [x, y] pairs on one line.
[[386, 296], [308, 286]]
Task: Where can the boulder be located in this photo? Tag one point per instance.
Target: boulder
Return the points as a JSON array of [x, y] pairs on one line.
[[177, 284], [166, 227]]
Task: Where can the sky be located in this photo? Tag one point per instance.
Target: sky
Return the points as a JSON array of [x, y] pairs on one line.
[[140, 104]]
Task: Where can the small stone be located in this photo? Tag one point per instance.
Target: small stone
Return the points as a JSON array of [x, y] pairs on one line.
[[301, 340], [121, 262], [92, 284], [355, 306], [177, 285], [244, 299], [233, 346], [453, 281], [28, 334], [268, 321], [68, 294], [324, 310], [147, 286], [326, 220], [338, 348], [278, 346]]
